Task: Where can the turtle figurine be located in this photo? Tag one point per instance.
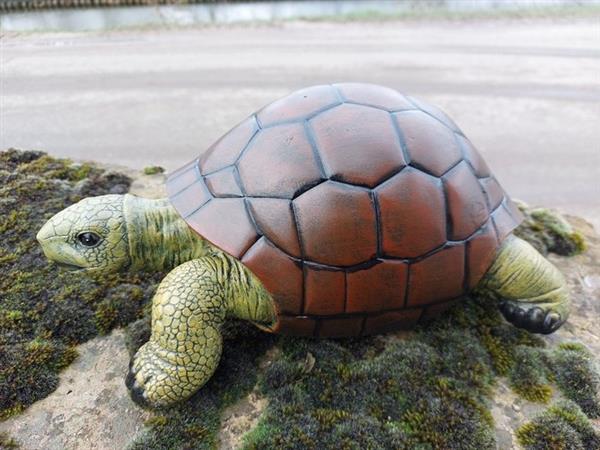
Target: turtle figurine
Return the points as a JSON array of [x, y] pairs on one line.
[[339, 210]]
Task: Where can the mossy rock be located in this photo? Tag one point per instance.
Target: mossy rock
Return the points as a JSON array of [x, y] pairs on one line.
[[563, 426], [426, 389], [45, 311], [575, 374], [548, 232]]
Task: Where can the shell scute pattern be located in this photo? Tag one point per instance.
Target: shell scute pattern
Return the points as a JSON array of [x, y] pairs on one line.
[[421, 133], [411, 204], [288, 153], [349, 210], [274, 217], [376, 198], [344, 132]]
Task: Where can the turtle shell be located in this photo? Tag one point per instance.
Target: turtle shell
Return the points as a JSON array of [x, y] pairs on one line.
[[361, 210]]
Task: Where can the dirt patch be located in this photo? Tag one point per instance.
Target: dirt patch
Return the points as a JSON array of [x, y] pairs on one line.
[[239, 419]]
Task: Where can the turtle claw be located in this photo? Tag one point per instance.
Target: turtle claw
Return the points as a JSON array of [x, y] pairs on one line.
[[136, 391], [156, 379], [534, 319], [148, 377], [552, 322]]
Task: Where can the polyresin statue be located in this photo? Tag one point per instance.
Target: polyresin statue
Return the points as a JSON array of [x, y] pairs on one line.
[[340, 210]]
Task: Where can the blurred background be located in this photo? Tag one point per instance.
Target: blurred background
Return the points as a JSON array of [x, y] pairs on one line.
[[136, 83]]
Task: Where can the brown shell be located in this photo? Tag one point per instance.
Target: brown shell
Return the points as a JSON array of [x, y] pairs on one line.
[[360, 209]]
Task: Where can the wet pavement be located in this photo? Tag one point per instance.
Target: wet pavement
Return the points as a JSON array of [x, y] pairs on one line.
[[527, 92]]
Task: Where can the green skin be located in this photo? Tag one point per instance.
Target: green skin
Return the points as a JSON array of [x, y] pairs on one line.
[[205, 286]]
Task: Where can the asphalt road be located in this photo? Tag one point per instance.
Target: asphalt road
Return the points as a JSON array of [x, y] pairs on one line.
[[527, 93]]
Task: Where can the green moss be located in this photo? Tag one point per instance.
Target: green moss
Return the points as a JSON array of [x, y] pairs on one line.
[[561, 427], [62, 169], [573, 369], [28, 371], [529, 376], [6, 442], [327, 418], [106, 315], [569, 367], [540, 393], [156, 421], [426, 392], [153, 170], [11, 319], [45, 311], [547, 231]]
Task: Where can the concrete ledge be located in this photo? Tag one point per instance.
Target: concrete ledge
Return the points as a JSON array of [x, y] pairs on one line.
[[135, 16], [94, 19]]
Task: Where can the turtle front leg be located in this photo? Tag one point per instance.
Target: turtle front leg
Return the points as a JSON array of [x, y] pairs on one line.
[[533, 293], [188, 309]]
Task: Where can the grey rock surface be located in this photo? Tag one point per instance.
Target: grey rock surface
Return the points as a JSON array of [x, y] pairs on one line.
[[90, 409]]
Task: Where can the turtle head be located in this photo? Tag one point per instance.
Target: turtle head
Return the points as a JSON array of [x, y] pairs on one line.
[[90, 235]]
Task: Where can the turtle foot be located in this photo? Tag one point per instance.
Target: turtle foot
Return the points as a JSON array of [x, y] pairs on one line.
[[533, 318], [155, 381]]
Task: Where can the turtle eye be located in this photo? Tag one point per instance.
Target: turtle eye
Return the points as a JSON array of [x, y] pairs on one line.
[[88, 239]]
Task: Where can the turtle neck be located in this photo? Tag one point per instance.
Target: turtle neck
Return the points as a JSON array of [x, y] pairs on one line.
[[159, 239]]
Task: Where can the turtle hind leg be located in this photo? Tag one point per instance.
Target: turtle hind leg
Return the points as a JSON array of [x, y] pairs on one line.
[[188, 310], [533, 294]]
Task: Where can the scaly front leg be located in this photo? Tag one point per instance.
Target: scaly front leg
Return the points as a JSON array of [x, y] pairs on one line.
[[189, 307]]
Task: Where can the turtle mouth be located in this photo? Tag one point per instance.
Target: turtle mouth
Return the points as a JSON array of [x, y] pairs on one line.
[[70, 267]]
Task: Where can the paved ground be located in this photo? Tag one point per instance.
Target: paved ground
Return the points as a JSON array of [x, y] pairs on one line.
[[526, 92]]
